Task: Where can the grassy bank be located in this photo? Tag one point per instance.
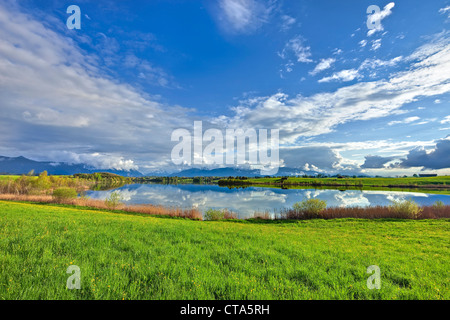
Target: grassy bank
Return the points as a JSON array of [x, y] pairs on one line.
[[435, 211], [176, 180], [125, 256], [440, 182]]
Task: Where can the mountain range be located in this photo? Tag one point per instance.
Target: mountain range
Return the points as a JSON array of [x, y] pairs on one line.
[[234, 172], [22, 165]]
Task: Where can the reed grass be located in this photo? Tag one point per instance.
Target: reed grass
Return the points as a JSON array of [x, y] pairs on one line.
[[373, 212]]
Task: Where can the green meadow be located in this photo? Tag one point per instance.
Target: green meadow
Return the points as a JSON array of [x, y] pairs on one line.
[[9, 177], [381, 181], [439, 184], [131, 256]]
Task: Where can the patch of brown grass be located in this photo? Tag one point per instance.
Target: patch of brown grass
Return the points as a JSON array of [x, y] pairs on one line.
[[27, 197], [431, 212], [375, 212], [192, 213], [229, 215]]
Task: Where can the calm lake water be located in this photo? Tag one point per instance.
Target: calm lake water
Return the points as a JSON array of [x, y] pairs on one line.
[[246, 201]]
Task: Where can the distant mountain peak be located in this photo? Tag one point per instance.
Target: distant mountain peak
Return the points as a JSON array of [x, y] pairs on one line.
[[232, 171], [22, 165]]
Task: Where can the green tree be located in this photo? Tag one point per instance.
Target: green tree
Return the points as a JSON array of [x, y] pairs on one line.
[[43, 181], [113, 201], [311, 207]]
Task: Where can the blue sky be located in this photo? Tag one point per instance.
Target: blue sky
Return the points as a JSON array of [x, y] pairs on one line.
[[345, 98]]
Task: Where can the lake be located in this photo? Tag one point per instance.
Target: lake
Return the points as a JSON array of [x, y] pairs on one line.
[[246, 201]]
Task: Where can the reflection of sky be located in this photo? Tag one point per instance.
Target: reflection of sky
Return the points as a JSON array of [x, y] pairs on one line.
[[247, 201]]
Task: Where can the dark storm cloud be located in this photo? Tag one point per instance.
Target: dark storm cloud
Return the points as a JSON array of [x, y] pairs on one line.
[[439, 158], [375, 162]]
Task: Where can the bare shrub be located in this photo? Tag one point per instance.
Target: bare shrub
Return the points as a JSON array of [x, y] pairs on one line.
[[261, 215]]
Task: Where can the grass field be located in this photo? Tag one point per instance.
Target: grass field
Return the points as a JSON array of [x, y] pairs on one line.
[[439, 180], [9, 177], [124, 256], [440, 183]]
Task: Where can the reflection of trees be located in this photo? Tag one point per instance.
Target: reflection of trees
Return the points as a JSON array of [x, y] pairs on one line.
[[247, 201]]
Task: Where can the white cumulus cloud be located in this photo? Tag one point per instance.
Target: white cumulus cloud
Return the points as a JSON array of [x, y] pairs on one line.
[[324, 64]]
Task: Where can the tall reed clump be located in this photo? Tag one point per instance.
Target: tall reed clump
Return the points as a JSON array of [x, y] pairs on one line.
[[258, 215], [188, 213], [22, 185], [406, 208], [438, 205]]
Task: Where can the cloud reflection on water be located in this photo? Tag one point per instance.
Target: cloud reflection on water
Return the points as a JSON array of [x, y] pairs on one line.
[[246, 201]]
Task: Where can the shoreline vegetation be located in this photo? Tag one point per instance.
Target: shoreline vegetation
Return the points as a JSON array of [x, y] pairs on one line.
[[177, 180], [43, 183], [400, 210], [144, 209], [438, 182], [69, 190]]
